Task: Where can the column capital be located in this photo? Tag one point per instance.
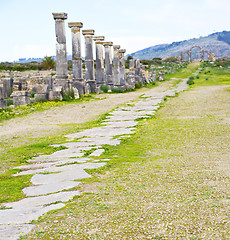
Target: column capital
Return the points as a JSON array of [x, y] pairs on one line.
[[122, 50], [98, 38], [75, 24], [107, 44], [61, 16], [88, 32], [116, 47]]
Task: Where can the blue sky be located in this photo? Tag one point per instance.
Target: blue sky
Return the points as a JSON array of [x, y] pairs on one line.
[[27, 27]]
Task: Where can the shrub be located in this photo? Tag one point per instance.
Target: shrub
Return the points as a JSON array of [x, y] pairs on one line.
[[206, 78], [32, 94], [197, 77], [68, 95], [41, 100], [190, 82], [117, 90], [9, 102], [138, 85], [105, 88], [191, 78]]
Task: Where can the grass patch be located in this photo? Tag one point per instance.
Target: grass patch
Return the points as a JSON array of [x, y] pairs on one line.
[[211, 76], [10, 187]]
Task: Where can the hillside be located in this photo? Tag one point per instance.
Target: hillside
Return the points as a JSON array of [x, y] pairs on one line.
[[210, 43]]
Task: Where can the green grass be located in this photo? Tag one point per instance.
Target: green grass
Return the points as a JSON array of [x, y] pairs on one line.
[[10, 187], [213, 76], [162, 183]]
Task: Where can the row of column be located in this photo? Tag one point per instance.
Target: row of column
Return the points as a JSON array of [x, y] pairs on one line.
[[112, 74]]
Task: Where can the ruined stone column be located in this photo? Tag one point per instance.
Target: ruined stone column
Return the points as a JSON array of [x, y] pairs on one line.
[[122, 67], [108, 63], [131, 77], [137, 71], [3, 103], [61, 55], [202, 55], [143, 74], [116, 63], [89, 62], [100, 75], [154, 75], [189, 56], [182, 56], [78, 81]]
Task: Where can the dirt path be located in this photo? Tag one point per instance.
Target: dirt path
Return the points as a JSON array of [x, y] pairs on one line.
[[45, 123]]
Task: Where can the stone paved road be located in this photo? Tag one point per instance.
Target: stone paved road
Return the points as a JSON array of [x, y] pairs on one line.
[[63, 169]]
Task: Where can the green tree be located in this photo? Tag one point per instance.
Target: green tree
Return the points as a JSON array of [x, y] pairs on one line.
[[129, 57], [48, 62]]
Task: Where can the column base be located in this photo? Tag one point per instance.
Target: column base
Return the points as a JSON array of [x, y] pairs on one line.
[[109, 80], [61, 81], [93, 85], [80, 85]]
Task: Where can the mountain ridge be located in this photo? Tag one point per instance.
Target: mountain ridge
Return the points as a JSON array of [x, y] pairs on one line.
[[215, 42]]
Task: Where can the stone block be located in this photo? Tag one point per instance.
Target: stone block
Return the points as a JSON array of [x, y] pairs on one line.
[[76, 93], [7, 86], [50, 95], [41, 96], [3, 103], [87, 88], [21, 98], [57, 93], [41, 88], [161, 76]]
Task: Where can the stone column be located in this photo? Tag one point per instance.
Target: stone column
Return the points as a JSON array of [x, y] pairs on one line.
[[131, 77], [100, 75], [161, 76], [154, 75], [182, 56], [116, 65], [61, 55], [108, 63], [89, 62], [137, 71], [143, 74], [189, 56], [78, 81], [3, 103], [122, 67]]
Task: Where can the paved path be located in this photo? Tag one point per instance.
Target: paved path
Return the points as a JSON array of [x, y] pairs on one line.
[[63, 169]]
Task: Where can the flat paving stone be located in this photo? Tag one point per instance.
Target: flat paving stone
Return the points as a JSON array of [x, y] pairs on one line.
[[12, 232], [97, 153], [42, 200], [65, 179], [26, 215]]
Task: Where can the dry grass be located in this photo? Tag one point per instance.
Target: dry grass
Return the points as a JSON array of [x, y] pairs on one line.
[[169, 181]]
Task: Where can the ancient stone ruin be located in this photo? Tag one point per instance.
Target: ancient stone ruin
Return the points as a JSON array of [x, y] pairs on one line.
[[210, 56], [108, 68]]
